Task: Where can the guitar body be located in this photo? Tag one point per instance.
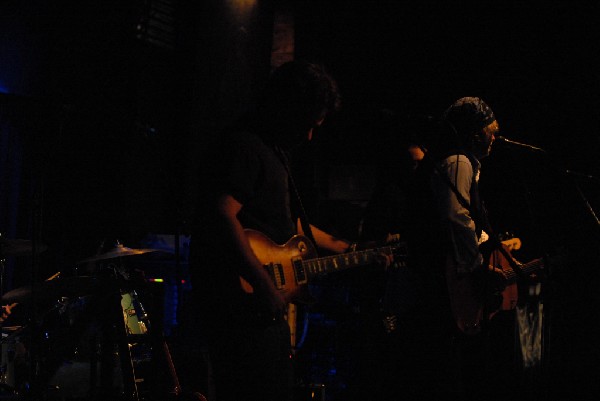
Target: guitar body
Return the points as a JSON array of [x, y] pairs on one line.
[[466, 300], [292, 264], [467, 296], [279, 262], [510, 294]]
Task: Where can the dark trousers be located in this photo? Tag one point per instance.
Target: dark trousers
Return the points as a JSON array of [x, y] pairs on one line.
[[252, 363]]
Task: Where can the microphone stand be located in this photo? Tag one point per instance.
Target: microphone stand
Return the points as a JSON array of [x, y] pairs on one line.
[[497, 245], [582, 197], [563, 178]]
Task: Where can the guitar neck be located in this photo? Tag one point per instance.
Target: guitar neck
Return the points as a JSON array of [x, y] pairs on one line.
[[328, 264], [525, 270]]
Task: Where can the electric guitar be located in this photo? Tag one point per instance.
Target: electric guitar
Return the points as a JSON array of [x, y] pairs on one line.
[[293, 264], [467, 296]]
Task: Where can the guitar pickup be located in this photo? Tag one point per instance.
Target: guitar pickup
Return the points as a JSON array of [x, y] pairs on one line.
[[299, 271], [275, 271]]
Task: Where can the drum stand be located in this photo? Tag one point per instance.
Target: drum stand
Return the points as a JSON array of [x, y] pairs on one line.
[[118, 332], [101, 328], [7, 374], [150, 352], [113, 335], [6, 389], [33, 384]]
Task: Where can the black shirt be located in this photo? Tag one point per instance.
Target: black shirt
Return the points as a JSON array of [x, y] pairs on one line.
[[251, 170]]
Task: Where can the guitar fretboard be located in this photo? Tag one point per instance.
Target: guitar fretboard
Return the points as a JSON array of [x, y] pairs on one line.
[[329, 264], [526, 269]]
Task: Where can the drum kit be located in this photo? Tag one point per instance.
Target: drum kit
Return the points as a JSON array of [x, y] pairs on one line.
[[83, 337]]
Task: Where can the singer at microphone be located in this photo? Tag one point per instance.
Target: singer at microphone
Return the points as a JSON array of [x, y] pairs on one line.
[[502, 140]]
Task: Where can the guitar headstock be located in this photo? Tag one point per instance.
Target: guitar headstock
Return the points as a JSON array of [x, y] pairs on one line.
[[391, 238], [512, 244]]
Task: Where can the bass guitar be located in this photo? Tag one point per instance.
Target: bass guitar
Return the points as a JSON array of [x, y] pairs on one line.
[[292, 265], [467, 296]]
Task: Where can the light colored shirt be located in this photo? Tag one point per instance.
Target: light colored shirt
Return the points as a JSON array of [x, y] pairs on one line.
[[456, 219]]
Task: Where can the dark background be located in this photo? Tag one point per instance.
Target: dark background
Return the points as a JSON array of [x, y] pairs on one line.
[[101, 121], [111, 117]]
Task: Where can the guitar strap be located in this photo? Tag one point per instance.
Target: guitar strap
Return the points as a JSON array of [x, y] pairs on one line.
[[482, 216], [461, 199], [302, 212], [292, 312], [475, 208]]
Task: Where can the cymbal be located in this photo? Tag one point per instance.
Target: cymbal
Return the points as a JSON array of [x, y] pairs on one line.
[[58, 287], [117, 252], [14, 247]]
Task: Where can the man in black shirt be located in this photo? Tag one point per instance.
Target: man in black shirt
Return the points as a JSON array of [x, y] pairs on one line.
[[245, 185]]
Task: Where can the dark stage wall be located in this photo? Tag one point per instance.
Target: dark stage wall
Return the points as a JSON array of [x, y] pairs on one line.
[[123, 103]]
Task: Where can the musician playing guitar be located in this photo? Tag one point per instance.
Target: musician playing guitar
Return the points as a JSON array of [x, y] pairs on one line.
[[246, 184], [446, 229]]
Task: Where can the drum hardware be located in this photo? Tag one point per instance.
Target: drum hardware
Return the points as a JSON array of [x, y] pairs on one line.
[[130, 389], [143, 343], [148, 348], [11, 347], [121, 346], [135, 339], [91, 357], [22, 364], [12, 350], [136, 318], [117, 252], [68, 287], [16, 247], [64, 291]]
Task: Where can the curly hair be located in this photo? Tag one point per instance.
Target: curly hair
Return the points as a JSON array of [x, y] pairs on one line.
[[300, 90]]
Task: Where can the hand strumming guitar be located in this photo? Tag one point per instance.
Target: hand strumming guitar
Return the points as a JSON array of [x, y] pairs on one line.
[[6, 311]]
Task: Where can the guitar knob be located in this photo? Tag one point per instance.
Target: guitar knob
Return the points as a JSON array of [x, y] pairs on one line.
[[390, 323]]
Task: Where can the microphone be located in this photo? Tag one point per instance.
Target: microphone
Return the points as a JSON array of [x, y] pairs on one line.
[[509, 143], [581, 175]]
